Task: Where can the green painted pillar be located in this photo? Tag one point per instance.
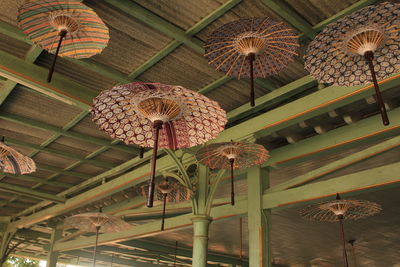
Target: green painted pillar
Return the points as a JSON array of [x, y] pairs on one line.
[[201, 220], [258, 219], [52, 257], [201, 224]]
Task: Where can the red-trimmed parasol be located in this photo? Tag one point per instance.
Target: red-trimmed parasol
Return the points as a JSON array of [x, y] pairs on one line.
[[158, 115]]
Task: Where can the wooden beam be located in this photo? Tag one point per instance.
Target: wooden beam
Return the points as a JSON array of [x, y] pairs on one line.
[[362, 132], [307, 107], [30, 178], [347, 185], [32, 76], [357, 157], [292, 17], [60, 131], [31, 193], [190, 32], [99, 163]]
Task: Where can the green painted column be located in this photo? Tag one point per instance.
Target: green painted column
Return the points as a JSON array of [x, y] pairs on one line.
[[52, 257], [258, 219], [201, 224], [201, 220]]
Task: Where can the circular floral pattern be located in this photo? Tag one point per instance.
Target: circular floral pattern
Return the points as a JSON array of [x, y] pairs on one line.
[[277, 45], [328, 61], [116, 112], [246, 155]]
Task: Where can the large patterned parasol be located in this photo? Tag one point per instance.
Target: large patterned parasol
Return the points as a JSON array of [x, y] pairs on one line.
[[358, 48], [77, 29], [230, 156], [96, 222], [339, 210], [251, 47], [168, 191], [11, 161], [158, 115]]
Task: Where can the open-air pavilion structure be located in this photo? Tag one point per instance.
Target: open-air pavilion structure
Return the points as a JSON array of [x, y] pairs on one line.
[[322, 140]]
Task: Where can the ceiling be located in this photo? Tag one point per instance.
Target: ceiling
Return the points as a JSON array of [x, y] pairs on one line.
[[162, 41]]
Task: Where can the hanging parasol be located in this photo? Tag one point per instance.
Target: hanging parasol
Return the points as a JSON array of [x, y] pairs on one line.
[[230, 156], [252, 47], [339, 210], [158, 115], [168, 191], [11, 161], [96, 222], [64, 28], [358, 48]]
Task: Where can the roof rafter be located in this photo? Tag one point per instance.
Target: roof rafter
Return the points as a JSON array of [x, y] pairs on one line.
[[32, 193]]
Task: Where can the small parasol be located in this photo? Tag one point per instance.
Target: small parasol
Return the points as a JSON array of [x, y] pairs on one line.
[[340, 210], [168, 191], [157, 115], [11, 161], [252, 47], [358, 48], [76, 28], [96, 222], [230, 156]]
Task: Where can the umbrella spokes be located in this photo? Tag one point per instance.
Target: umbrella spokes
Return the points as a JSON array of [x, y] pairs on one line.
[[62, 35], [369, 56], [157, 125]]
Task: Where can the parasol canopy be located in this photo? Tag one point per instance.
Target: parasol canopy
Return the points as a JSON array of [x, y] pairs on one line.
[[168, 191], [357, 49], [158, 115], [96, 222], [252, 47], [77, 29], [339, 210], [232, 155], [11, 161]]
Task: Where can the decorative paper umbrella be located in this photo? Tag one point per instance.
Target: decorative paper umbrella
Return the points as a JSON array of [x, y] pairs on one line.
[[168, 191], [97, 222], [11, 161], [251, 47], [80, 33], [340, 210], [232, 155], [136, 112], [358, 48]]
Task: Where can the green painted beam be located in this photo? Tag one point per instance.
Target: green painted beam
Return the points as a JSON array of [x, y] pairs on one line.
[[60, 131], [345, 162], [62, 171], [32, 76], [32, 193], [354, 7], [289, 114], [190, 32], [33, 53], [273, 98], [292, 17], [156, 22], [307, 107], [30, 178], [347, 185], [99, 163], [183, 251], [360, 133], [215, 84]]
